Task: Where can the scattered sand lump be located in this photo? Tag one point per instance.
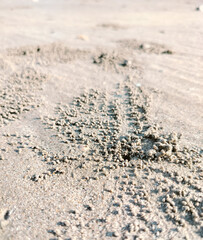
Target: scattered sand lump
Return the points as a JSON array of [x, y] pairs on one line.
[[116, 62], [145, 47], [49, 54], [19, 94], [116, 128], [108, 136]]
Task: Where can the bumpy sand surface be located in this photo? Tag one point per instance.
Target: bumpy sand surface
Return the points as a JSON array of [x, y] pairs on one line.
[[101, 120]]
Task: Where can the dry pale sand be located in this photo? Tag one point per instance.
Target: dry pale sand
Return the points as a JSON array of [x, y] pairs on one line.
[[101, 119]]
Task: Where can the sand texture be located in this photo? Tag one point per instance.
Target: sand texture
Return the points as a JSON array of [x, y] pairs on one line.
[[101, 120]]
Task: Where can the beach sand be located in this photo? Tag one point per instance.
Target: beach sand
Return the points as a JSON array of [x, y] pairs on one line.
[[101, 119]]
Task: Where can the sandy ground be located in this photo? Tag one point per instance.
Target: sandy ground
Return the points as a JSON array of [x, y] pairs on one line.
[[101, 119]]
